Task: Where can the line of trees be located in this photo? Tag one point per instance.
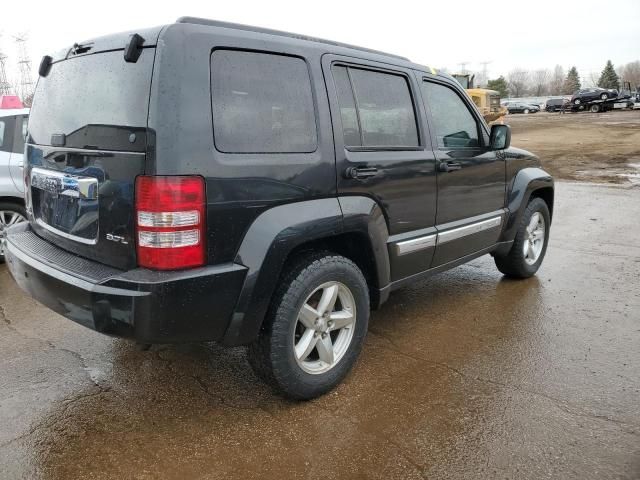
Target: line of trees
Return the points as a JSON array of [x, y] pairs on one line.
[[538, 83]]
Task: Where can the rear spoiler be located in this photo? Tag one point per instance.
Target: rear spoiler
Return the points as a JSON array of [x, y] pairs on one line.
[[129, 42]]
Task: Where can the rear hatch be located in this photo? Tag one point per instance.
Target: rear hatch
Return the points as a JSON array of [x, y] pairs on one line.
[[88, 140]]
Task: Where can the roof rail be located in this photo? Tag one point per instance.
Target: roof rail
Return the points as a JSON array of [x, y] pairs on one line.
[[239, 26]]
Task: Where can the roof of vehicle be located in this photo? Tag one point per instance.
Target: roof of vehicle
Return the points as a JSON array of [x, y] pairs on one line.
[[118, 41], [250, 28], [9, 112]]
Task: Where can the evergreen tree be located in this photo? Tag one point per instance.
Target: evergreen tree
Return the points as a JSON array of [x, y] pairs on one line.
[[500, 85], [572, 82], [609, 77]]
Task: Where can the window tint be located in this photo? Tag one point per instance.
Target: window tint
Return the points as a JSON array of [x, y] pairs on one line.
[[2, 133], [262, 103], [94, 100], [385, 109], [381, 114], [454, 124]]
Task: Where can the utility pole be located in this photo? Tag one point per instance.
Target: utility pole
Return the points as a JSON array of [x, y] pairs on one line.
[[463, 66], [5, 87], [485, 73], [24, 65]]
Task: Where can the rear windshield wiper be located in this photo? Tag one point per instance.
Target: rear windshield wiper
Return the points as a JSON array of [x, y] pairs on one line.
[[79, 48]]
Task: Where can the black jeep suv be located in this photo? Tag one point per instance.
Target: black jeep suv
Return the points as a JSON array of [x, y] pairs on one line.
[[206, 181]]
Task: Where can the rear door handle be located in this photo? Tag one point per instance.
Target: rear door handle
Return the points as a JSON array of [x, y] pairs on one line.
[[360, 172], [449, 166]]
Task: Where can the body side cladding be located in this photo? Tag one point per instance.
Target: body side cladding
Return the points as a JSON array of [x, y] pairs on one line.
[[279, 231], [524, 184], [363, 214]]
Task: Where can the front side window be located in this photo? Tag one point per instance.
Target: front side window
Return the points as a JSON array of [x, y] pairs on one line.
[[262, 103], [376, 108], [455, 126], [2, 128]]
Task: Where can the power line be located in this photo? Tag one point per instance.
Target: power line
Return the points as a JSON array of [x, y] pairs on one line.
[[24, 65], [463, 66], [5, 87]]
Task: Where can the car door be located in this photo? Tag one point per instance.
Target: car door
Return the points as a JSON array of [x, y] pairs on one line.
[[383, 153], [470, 175]]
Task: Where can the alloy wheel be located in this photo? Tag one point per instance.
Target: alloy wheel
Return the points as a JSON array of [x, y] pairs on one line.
[[7, 219], [534, 241], [324, 328]]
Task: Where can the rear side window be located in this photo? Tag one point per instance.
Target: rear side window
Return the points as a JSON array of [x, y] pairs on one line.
[[20, 134], [262, 103], [6, 133], [455, 126], [376, 108]]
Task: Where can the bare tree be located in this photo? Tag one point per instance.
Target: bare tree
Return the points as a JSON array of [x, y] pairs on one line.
[[557, 80], [592, 79], [541, 82], [630, 73], [518, 81]]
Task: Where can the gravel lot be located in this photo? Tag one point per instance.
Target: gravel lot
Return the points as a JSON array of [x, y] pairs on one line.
[[603, 147], [465, 375]]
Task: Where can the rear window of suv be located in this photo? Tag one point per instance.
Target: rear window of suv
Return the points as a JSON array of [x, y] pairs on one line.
[[262, 103], [95, 100]]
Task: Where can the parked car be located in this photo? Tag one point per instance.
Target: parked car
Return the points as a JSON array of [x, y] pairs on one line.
[[555, 104], [591, 94], [519, 107], [13, 127], [143, 224]]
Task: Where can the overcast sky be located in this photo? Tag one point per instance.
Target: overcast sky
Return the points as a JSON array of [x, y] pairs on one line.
[[509, 34]]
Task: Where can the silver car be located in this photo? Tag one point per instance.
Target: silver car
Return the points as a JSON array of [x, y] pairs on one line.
[[13, 130]]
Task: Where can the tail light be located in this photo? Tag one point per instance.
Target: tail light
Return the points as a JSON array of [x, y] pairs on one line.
[[170, 219]]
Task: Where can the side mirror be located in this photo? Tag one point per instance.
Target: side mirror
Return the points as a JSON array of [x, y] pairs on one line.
[[500, 137]]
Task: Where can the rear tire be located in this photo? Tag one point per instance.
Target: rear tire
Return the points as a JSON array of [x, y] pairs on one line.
[[526, 254], [301, 351], [526, 111], [10, 214], [595, 108]]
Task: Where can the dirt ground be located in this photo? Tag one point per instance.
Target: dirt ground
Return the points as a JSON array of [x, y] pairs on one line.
[[466, 375], [601, 147]]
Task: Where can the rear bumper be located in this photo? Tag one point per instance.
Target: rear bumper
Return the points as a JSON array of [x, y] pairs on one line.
[[145, 305]]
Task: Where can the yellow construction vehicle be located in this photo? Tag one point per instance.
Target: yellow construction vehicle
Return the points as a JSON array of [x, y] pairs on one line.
[[487, 101]]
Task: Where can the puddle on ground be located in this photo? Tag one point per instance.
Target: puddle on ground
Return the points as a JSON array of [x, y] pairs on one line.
[[629, 172], [633, 177]]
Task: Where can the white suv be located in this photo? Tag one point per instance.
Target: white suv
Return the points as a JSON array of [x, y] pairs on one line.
[[13, 130]]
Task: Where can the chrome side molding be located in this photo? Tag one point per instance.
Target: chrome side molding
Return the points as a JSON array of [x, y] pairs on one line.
[[420, 243], [415, 244], [477, 227]]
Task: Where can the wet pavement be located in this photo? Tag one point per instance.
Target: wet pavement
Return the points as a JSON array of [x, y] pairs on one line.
[[466, 375]]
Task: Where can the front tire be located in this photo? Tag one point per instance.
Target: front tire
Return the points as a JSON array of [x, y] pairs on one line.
[[530, 245], [314, 328], [604, 96]]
